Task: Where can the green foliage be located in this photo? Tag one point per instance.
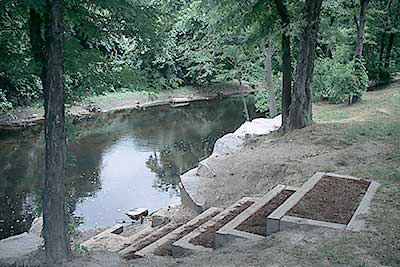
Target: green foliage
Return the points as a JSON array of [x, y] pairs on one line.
[[262, 101], [153, 45], [4, 104], [337, 82], [262, 96], [360, 81]]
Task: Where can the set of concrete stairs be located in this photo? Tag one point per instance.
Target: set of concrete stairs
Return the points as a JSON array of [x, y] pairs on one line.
[[201, 233], [248, 218]]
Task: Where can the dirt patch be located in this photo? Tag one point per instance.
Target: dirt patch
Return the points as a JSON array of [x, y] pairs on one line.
[[332, 199], [256, 223], [207, 238], [166, 248]]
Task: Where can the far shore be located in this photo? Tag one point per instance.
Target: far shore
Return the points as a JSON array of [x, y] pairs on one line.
[[25, 117]]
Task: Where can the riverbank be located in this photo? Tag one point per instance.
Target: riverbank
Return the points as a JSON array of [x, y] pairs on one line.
[[24, 117], [362, 140]]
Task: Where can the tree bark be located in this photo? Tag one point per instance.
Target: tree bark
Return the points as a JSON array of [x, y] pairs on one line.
[[245, 109], [55, 231], [301, 108], [386, 28], [268, 53], [35, 36], [389, 50], [286, 63], [361, 29]]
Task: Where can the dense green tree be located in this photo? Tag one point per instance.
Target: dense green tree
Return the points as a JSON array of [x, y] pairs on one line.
[[155, 45]]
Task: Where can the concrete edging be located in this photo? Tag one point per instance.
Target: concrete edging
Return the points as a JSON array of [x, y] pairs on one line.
[[278, 220], [183, 245], [152, 248], [274, 219], [228, 231]]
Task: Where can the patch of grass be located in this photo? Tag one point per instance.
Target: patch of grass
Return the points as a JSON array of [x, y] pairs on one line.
[[386, 218], [326, 116]]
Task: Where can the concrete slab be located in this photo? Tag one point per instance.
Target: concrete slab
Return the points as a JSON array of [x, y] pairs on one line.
[[357, 222], [289, 221], [109, 240], [165, 242], [190, 186]]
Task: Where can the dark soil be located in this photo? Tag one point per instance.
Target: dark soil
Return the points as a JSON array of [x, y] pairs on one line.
[[147, 240], [165, 250], [332, 199], [256, 223], [207, 238]]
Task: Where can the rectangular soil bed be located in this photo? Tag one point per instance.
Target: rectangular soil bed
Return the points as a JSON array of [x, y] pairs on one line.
[[332, 199], [207, 237], [256, 223]]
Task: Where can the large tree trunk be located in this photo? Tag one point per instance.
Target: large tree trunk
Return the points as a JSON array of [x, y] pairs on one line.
[[35, 36], [389, 50], [55, 231], [268, 53], [301, 108], [361, 29], [286, 63]]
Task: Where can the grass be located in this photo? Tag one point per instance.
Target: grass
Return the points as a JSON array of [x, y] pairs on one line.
[[375, 120]]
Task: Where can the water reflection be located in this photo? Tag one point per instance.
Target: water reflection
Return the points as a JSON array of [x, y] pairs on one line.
[[117, 162]]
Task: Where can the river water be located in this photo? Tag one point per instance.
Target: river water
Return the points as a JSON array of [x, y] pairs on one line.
[[116, 162]]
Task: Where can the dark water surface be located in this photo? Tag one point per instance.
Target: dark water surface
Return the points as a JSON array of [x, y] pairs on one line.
[[116, 162]]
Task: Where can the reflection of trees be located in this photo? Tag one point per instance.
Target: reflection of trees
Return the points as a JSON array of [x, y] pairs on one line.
[[185, 136], [21, 178], [167, 172], [180, 138]]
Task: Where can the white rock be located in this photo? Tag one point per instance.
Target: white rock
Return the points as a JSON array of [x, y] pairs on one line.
[[37, 226], [137, 213], [227, 144], [259, 126], [14, 248], [204, 170]]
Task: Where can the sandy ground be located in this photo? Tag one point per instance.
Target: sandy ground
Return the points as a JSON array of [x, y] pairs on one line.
[[361, 140]]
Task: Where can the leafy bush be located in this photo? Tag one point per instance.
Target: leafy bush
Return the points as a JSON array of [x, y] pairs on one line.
[[262, 97], [338, 82], [4, 103]]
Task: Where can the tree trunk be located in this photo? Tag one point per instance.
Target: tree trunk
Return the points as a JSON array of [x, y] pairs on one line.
[[361, 29], [389, 50], [381, 50], [55, 231], [286, 63], [268, 53], [35, 36], [301, 108], [245, 109]]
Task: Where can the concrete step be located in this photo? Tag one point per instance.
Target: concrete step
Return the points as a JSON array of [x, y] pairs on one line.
[[203, 237], [163, 246], [108, 240], [251, 224], [146, 237]]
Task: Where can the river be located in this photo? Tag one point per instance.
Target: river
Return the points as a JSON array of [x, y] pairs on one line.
[[116, 162]]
